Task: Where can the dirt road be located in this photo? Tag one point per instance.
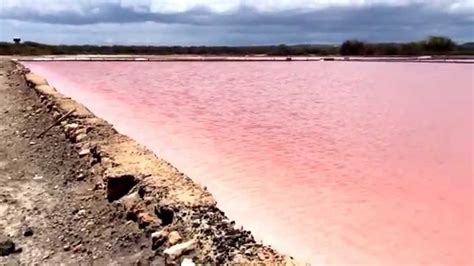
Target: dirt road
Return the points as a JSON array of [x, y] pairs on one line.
[[48, 205]]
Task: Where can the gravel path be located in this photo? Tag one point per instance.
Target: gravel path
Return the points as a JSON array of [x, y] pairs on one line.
[[49, 208]]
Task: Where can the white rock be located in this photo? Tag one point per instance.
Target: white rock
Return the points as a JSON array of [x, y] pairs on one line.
[[187, 262], [72, 126], [84, 152], [178, 249], [80, 137], [80, 131], [37, 177]]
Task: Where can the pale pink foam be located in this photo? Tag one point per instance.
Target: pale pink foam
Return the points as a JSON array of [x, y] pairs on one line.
[[337, 163]]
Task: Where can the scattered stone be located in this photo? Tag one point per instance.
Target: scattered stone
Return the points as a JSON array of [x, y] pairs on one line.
[[90, 225], [98, 185], [84, 152], [77, 248], [7, 247], [81, 131], [37, 177], [81, 213], [80, 137], [148, 200], [159, 238], [187, 262], [173, 238], [129, 201], [66, 247], [28, 231], [240, 259], [144, 219], [71, 126], [29, 108], [80, 176], [32, 143], [177, 250]]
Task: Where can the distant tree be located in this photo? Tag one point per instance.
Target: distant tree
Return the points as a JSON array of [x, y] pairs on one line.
[[313, 50], [411, 48], [369, 49], [281, 49], [387, 49], [433, 45], [438, 44], [352, 47]]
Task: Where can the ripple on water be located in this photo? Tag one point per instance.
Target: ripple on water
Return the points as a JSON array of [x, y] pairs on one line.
[[339, 163]]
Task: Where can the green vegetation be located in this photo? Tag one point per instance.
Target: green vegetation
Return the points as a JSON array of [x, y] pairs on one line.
[[353, 47], [435, 45]]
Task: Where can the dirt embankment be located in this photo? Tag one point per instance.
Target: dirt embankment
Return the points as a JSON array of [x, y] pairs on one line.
[[81, 192]]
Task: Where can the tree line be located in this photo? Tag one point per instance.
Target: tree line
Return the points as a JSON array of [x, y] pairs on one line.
[[435, 45]]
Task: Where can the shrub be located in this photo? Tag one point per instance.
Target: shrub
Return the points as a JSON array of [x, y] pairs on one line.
[[352, 47], [439, 44]]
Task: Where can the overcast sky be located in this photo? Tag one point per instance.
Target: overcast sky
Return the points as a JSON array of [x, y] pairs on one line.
[[233, 22]]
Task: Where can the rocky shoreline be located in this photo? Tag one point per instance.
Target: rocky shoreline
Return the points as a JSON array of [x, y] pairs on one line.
[[178, 217]]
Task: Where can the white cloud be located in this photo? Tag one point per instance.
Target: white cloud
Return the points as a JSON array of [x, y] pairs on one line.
[[175, 6]]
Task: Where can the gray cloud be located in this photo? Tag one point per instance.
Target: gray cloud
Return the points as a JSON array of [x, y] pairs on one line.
[[247, 25]]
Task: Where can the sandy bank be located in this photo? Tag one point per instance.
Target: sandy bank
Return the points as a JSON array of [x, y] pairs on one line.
[[179, 216]]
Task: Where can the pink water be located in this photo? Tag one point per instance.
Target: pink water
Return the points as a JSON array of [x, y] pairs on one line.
[[332, 162]]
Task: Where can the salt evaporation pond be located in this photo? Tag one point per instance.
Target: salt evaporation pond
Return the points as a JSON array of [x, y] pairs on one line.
[[333, 162]]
